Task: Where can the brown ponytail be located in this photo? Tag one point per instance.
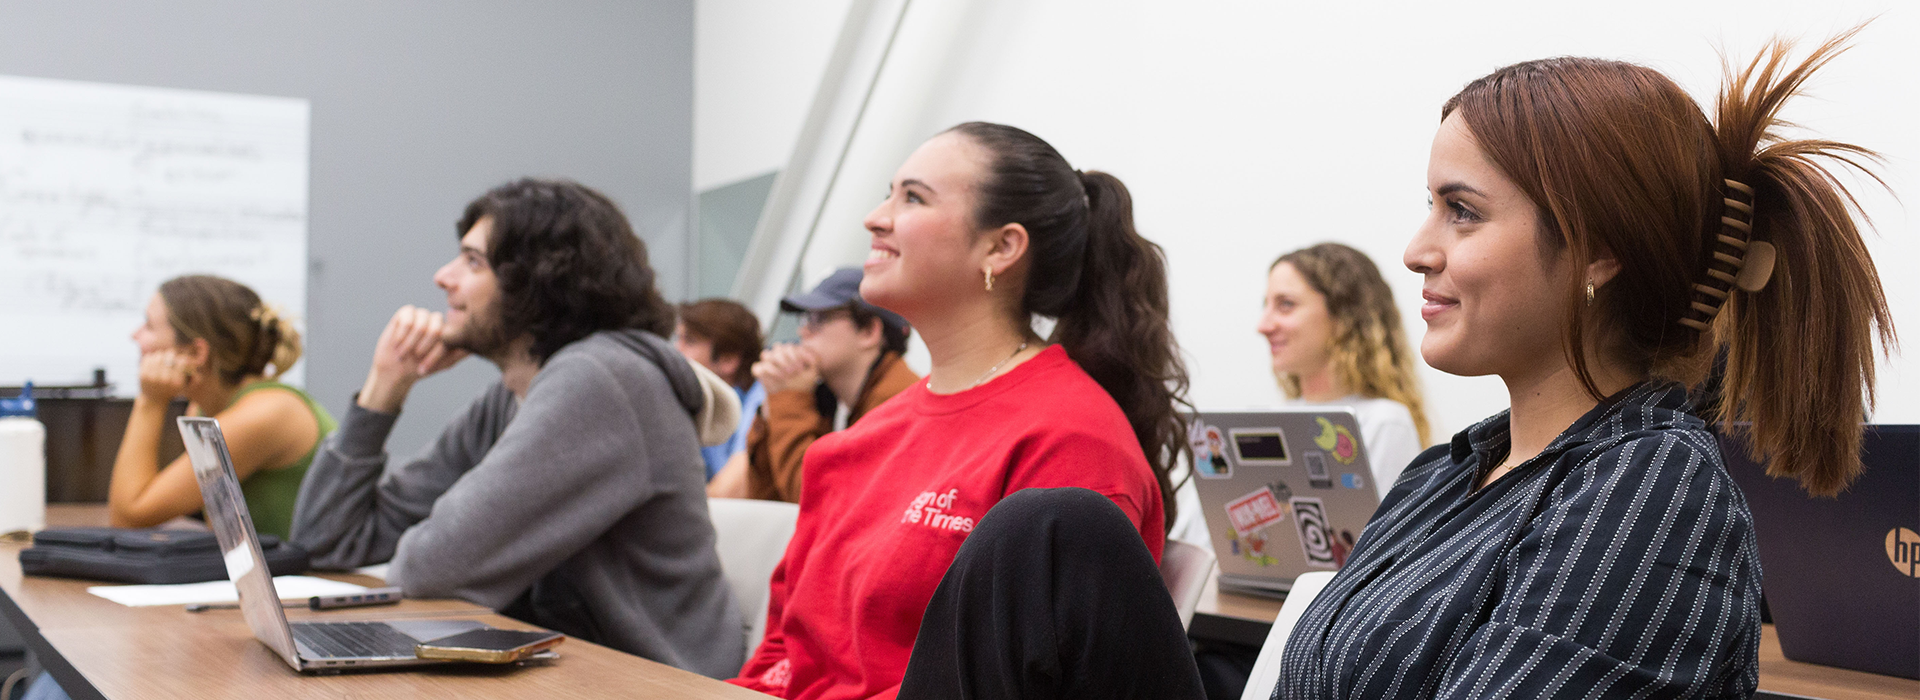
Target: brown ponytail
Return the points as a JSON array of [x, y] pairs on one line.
[[1800, 361], [1624, 164], [1104, 284], [244, 335]]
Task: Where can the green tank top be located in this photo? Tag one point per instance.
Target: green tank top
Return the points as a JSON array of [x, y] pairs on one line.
[[271, 492]]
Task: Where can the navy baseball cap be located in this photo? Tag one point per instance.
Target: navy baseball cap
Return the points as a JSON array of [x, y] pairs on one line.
[[839, 289]]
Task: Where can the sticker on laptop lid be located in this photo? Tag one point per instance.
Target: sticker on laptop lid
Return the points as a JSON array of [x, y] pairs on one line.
[[1209, 451], [1261, 447], [1281, 492], [1316, 542], [1254, 511], [1317, 474], [1352, 480], [1338, 440], [1252, 548], [1342, 547]]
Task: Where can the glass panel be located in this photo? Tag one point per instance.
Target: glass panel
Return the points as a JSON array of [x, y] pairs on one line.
[[728, 214]]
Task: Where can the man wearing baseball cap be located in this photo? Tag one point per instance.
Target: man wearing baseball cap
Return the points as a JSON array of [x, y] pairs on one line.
[[847, 362]]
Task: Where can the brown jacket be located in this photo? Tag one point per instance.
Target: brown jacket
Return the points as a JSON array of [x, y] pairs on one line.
[[790, 421]]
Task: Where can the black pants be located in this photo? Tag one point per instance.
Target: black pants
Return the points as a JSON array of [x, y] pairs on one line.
[[1053, 595]]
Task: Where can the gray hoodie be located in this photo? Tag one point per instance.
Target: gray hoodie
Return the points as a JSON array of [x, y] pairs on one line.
[[583, 509]]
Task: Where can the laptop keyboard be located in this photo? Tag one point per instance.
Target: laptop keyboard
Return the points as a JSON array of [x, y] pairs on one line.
[[353, 639]]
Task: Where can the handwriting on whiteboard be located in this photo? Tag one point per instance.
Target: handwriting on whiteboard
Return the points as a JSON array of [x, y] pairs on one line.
[[107, 190]]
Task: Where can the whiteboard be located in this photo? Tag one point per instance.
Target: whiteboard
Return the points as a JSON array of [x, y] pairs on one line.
[[108, 190]]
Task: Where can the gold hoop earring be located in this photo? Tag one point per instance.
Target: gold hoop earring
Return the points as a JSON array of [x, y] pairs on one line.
[[989, 272], [1589, 292]]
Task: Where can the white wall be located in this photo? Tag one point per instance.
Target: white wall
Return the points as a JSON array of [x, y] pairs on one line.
[[1249, 128], [756, 64]]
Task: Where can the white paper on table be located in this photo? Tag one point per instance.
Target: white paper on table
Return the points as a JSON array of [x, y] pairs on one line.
[[289, 587]]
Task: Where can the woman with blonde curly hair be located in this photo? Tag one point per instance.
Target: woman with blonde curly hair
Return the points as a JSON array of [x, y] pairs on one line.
[[213, 342], [1336, 341]]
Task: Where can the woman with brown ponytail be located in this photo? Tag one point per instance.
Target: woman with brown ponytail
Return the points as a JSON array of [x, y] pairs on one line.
[[1594, 241], [214, 342], [984, 227]]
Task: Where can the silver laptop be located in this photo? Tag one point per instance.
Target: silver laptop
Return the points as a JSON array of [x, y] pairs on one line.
[[1284, 492], [306, 646]]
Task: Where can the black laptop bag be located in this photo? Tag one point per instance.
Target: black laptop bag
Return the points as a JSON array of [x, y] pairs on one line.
[[144, 556]]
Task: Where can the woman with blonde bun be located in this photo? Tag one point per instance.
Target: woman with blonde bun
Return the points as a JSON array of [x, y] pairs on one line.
[[213, 342]]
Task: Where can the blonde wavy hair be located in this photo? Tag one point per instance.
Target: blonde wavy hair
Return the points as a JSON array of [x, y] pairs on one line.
[[1369, 348], [245, 336]]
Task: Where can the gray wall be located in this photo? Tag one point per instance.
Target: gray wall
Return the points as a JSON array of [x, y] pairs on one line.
[[418, 107]]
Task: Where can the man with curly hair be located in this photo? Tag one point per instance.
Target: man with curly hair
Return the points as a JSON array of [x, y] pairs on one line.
[[570, 494]]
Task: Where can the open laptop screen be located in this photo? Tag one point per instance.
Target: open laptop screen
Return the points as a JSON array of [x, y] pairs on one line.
[[226, 511]]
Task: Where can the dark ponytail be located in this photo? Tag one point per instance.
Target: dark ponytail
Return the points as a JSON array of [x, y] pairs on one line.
[[1105, 285]]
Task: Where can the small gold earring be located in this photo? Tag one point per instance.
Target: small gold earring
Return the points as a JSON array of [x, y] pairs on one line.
[[989, 272], [1589, 292]]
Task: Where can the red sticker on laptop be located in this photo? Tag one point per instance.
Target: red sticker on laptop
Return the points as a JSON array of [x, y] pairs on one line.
[[1254, 511]]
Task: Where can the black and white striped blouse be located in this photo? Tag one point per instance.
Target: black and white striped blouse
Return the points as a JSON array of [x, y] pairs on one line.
[[1619, 563]]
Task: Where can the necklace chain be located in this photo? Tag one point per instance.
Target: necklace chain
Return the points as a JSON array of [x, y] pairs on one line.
[[989, 375]]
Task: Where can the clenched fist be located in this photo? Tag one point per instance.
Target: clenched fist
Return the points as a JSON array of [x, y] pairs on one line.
[[408, 350]]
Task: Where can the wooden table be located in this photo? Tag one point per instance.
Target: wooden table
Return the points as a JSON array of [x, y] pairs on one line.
[[1234, 617], [100, 649]]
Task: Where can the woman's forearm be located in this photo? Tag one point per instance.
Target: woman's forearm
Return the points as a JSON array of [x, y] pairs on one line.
[[136, 465]]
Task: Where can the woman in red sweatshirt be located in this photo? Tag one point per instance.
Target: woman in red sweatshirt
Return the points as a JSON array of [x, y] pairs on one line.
[[984, 227]]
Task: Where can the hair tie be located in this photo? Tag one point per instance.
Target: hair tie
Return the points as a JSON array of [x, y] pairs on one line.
[[265, 317], [1738, 261]]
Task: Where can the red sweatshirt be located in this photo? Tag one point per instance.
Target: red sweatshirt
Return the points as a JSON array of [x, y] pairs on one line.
[[885, 504]]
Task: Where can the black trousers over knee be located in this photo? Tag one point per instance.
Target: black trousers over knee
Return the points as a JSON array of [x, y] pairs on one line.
[[1053, 595]]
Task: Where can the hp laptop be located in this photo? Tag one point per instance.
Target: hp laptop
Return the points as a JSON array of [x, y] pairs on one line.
[[1284, 492], [306, 646], [1842, 575]]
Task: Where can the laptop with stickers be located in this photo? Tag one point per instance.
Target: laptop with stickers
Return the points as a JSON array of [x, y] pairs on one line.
[[1284, 492]]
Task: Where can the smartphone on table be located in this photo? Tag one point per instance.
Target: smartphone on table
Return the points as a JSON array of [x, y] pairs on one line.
[[489, 646]]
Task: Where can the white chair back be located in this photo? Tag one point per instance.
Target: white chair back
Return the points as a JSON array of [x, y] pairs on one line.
[[751, 537], [1185, 567], [1266, 669]]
